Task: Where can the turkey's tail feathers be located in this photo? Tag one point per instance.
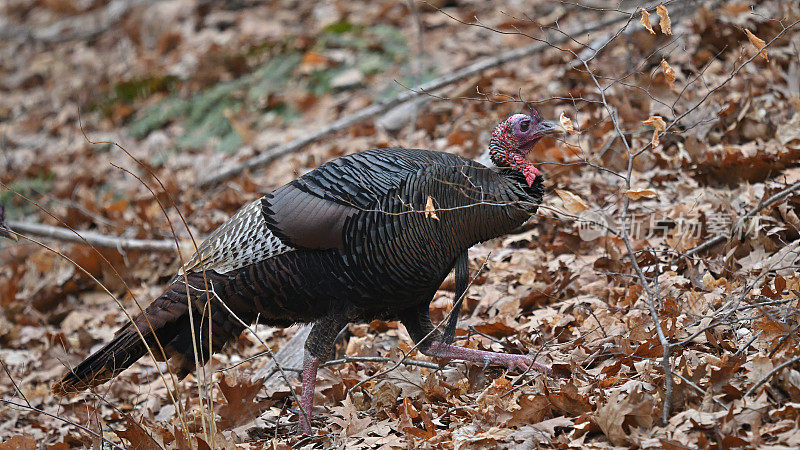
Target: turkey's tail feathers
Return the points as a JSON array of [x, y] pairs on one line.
[[125, 349], [167, 331]]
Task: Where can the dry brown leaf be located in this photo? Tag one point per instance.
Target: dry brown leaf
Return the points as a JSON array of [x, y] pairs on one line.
[[633, 409], [658, 123], [655, 141], [349, 419], [430, 210], [496, 329], [759, 44], [636, 194], [138, 436], [533, 409], [18, 442], [385, 394], [645, 21], [569, 401], [572, 202], [313, 58], [666, 24], [241, 406], [566, 123], [669, 73]]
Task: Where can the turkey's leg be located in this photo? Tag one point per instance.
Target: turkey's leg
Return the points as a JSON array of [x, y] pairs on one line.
[[418, 323], [461, 275], [319, 346], [310, 366]]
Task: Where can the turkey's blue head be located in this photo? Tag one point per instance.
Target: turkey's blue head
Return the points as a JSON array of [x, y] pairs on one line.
[[515, 137]]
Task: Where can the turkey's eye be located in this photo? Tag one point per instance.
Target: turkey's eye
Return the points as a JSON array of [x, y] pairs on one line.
[[524, 125]]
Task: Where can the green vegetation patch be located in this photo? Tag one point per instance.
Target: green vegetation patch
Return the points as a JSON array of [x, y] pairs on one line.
[[204, 115]]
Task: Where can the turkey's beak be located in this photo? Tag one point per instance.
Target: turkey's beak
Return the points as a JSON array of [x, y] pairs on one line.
[[550, 127]]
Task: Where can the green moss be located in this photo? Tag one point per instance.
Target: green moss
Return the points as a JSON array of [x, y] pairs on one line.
[[158, 115], [139, 88], [341, 27], [202, 115], [273, 76]]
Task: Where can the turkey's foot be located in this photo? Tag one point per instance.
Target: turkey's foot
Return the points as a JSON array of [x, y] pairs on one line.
[[520, 362]]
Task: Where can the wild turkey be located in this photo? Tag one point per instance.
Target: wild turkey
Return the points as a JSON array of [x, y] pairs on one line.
[[352, 241]]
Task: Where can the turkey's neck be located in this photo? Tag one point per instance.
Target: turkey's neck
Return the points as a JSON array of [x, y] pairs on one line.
[[527, 193], [507, 203]]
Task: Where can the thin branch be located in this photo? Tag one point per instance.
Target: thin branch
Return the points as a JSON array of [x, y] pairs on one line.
[[362, 359], [41, 411], [14, 382], [90, 237], [698, 389], [772, 372]]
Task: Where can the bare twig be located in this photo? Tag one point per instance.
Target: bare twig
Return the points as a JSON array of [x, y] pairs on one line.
[[698, 389], [783, 340], [14, 382], [91, 237], [378, 359], [41, 411], [772, 372]]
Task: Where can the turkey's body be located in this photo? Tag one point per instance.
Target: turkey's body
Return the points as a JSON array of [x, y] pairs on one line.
[[353, 240]]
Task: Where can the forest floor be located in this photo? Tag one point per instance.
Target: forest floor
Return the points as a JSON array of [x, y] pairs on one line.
[[659, 278]]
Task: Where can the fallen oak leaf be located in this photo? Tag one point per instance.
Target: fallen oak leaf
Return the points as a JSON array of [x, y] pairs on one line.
[[566, 123], [549, 426], [645, 21], [350, 422], [759, 44], [636, 194], [622, 411], [138, 437], [665, 22], [572, 202], [533, 410], [568, 401], [240, 407]]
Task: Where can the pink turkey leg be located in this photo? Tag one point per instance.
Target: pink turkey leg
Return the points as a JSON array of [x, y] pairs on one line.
[[310, 366], [448, 351]]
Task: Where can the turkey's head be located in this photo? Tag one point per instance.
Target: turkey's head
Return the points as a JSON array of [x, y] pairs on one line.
[[515, 137]]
